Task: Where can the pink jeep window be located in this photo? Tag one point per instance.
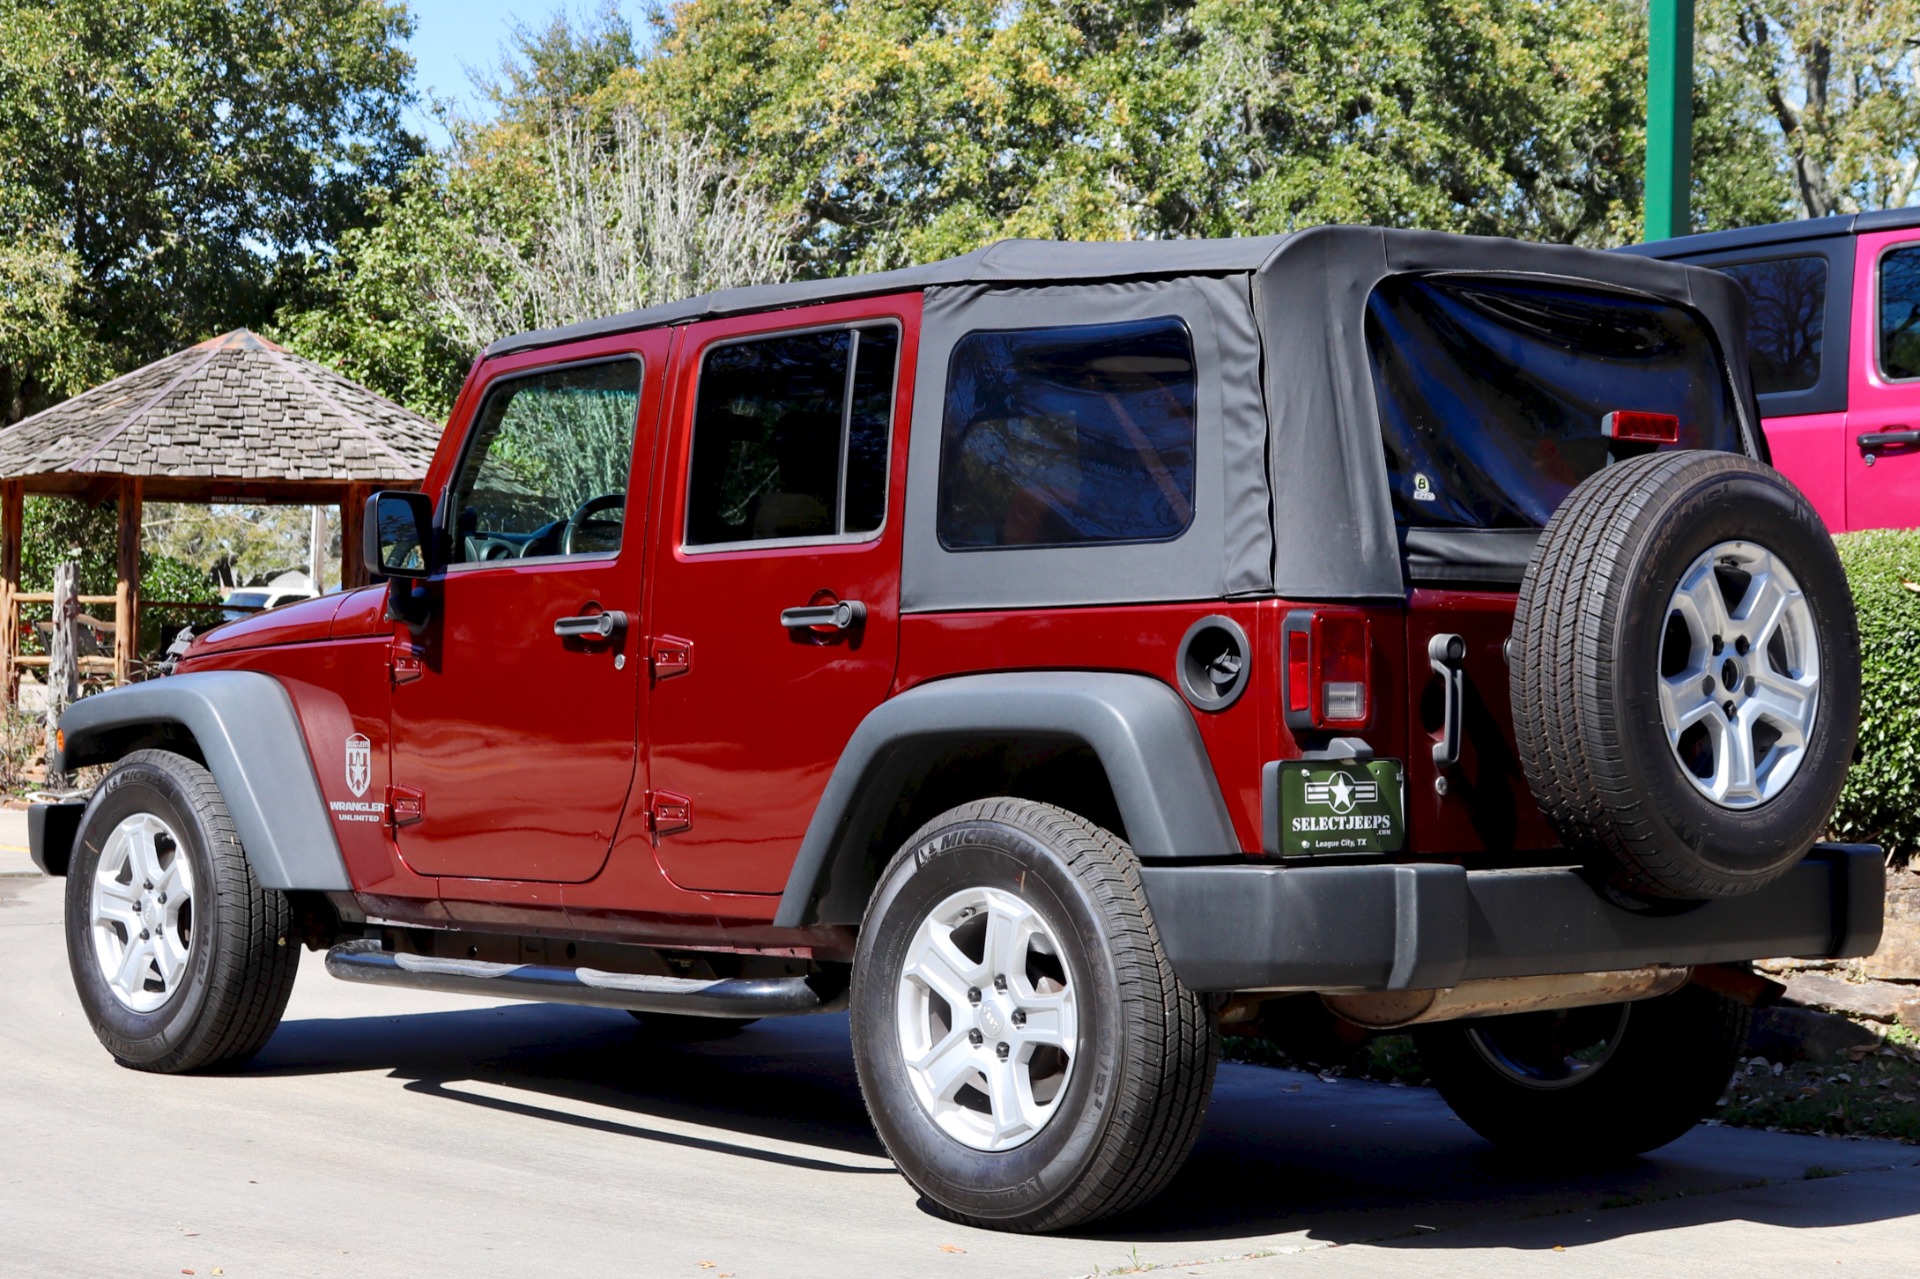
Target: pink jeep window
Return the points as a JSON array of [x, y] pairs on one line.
[[1900, 313]]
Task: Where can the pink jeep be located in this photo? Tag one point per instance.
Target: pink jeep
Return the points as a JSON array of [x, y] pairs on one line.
[[1833, 331]]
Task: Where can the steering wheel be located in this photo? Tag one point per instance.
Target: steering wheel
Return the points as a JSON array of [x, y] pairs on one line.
[[592, 506]]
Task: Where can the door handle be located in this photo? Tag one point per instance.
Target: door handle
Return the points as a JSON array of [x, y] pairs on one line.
[[842, 615], [592, 626], [1445, 653], [1885, 439]]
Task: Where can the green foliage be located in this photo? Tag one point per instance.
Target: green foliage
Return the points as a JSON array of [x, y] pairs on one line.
[[176, 168], [1881, 803], [56, 529]]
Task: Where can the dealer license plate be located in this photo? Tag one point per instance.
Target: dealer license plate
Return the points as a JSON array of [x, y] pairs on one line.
[[1341, 808]]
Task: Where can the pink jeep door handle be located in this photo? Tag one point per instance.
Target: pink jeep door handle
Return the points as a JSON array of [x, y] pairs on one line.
[[1888, 439]]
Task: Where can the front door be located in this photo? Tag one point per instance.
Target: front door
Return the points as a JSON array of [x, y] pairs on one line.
[[515, 713], [1883, 409], [782, 494]]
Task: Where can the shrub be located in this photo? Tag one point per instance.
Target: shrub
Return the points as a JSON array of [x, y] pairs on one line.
[[1881, 802]]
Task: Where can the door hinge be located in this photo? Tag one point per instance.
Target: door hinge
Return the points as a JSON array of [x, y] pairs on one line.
[[403, 662], [668, 813], [669, 655], [405, 805]]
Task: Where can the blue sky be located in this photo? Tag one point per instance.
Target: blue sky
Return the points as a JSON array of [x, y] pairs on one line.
[[452, 35]]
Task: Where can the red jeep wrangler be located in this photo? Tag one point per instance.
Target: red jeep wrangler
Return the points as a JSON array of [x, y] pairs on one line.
[[1052, 654]]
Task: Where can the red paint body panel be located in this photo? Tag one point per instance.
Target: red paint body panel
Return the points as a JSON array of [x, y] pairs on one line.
[[1488, 809], [1139, 640], [299, 623], [751, 732], [1886, 494]]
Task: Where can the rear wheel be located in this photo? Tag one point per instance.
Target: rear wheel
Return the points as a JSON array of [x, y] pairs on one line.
[[1589, 1083], [1028, 1057], [181, 960]]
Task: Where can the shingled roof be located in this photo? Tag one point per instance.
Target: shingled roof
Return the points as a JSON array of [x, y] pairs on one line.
[[235, 407]]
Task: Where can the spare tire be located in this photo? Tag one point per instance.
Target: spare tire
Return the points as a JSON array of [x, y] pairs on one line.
[[1686, 674]]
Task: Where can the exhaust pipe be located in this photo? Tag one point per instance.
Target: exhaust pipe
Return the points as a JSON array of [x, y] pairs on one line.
[[368, 962], [1499, 996]]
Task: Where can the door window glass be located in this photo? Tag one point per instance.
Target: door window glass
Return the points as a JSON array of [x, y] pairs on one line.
[[791, 436], [1066, 436], [1900, 313], [547, 471], [1786, 320]]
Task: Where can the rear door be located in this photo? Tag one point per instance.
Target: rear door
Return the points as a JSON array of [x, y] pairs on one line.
[[1883, 416], [775, 599], [1492, 394]]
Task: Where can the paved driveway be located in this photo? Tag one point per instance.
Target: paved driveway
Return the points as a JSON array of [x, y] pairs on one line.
[[391, 1133]]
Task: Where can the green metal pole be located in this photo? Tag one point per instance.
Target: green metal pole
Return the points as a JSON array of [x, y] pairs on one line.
[[1669, 118]]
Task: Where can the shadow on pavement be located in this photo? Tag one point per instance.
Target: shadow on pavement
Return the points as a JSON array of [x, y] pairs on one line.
[[1282, 1153]]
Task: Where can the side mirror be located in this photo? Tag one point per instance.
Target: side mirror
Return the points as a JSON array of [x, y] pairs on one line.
[[397, 535]]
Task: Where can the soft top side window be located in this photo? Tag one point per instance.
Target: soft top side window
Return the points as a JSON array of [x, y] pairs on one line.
[[1068, 436], [545, 474], [791, 435]]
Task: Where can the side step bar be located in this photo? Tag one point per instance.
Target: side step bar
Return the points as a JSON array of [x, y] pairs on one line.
[[366, 961]]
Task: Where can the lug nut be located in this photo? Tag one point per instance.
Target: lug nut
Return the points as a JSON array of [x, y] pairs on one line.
[[973, 994], [1000, 1051], [148, 886], [1740, 646], [999, 983], [1730, 709], [1718, 644], [145, 935], [163, 899], [1019, 1016], [1752, 684], [974, 1037], [1706, 686]]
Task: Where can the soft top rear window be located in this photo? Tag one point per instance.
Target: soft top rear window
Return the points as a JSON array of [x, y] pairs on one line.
[[1492, 390]]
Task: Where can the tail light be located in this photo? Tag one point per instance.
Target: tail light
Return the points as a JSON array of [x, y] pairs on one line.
[[1329, 666], [1641, 428]]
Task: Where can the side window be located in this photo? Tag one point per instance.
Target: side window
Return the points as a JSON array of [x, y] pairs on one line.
[[791, 436], [546, 472], [1900, 313], [1068, 436], [1786, 320]]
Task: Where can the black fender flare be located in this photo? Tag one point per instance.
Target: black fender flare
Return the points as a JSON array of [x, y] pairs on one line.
[[244, 726], [1140, 729]]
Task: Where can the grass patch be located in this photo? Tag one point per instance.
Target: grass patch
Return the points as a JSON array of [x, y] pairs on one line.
[[1877, 1096]]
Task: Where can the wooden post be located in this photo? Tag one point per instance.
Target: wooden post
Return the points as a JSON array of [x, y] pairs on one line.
[[317, 548], [63, 666], [126, 605], [12, 533], [353, 511]]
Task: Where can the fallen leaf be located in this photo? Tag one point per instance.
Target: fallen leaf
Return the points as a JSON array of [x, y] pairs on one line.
[[1912, 586], [706, 1265], [950, 1247], [218, 1271], [1559, 1248]]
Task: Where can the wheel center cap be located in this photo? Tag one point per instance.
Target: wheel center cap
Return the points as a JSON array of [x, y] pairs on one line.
[[150, 915], [990, 1020], [1729, 674]]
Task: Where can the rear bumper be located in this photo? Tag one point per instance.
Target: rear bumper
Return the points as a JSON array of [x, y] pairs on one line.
[[1379, 927]]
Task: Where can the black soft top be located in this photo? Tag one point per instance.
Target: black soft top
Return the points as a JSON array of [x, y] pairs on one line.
[[1293, 497], [1765, 237]]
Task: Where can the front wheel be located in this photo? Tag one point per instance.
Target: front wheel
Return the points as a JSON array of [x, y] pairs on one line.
[[1027, 1055], [181, 960], [1589, 1083]]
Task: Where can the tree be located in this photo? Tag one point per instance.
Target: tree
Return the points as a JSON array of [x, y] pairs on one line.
[[180, 167], [571, 203], [1837, 79]]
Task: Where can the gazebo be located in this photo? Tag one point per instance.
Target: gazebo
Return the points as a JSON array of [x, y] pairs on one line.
[[235, 418]]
